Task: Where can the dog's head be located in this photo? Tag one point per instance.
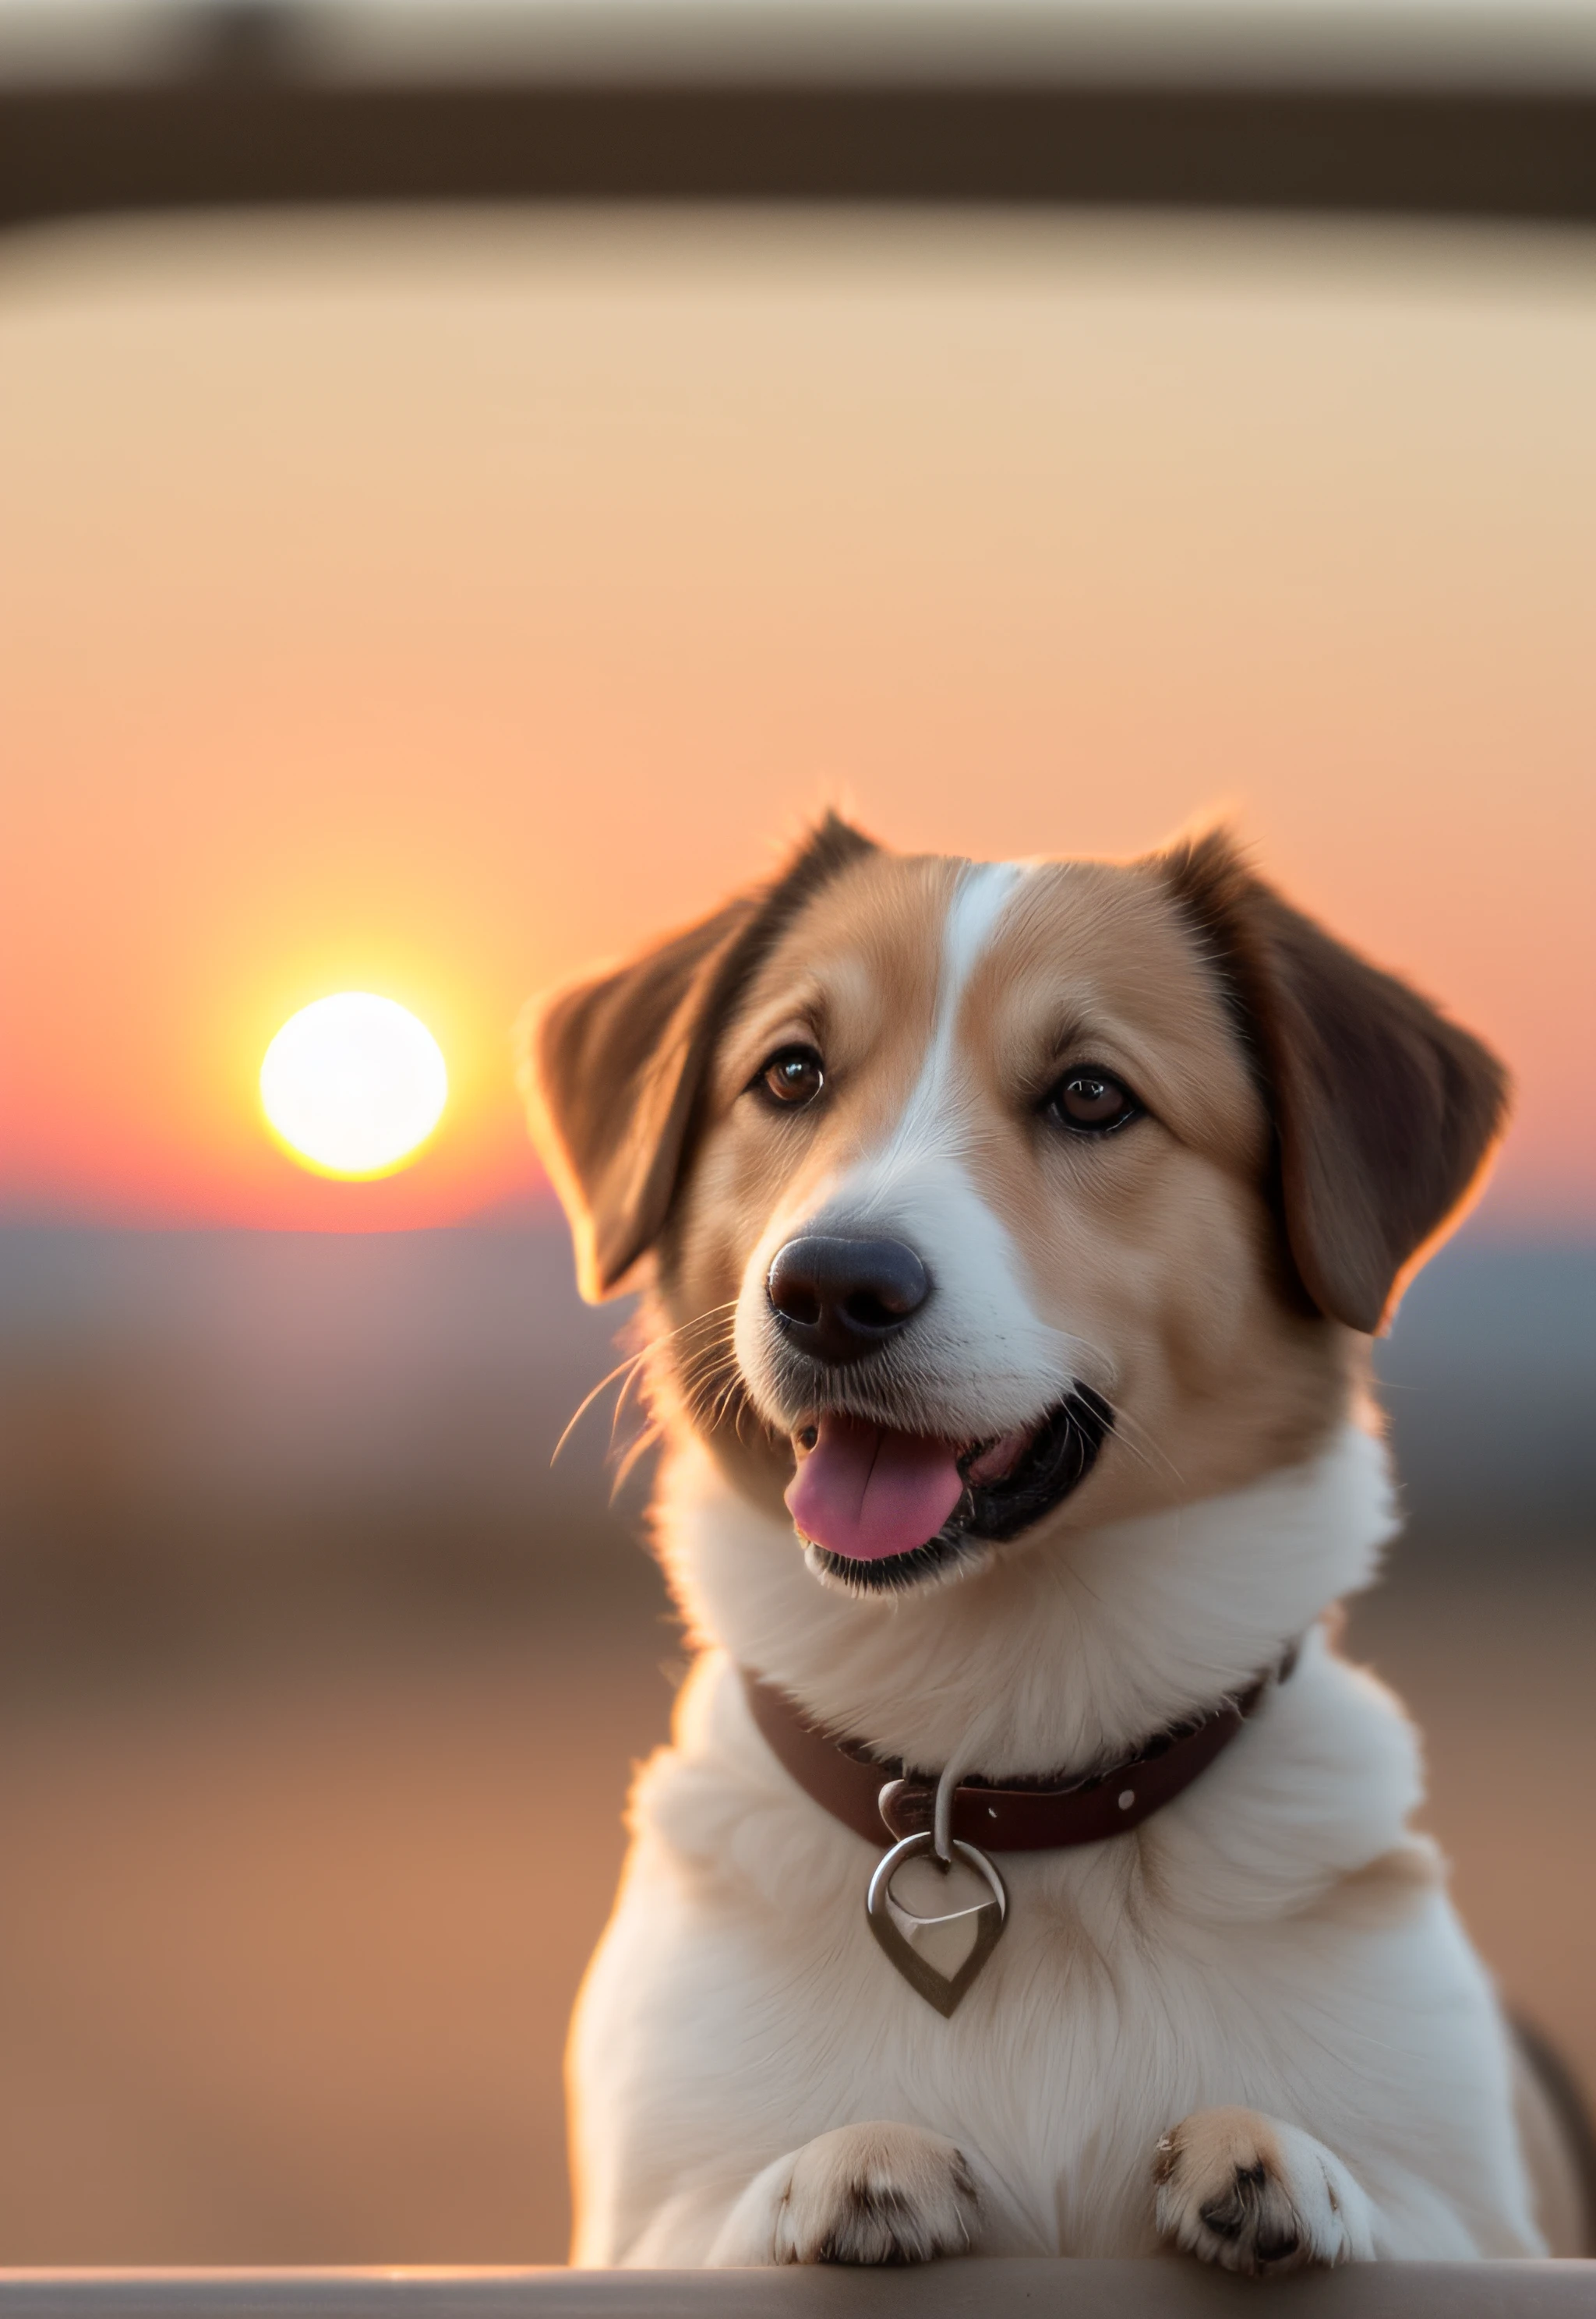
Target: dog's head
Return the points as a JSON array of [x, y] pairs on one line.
[[979, 1200]]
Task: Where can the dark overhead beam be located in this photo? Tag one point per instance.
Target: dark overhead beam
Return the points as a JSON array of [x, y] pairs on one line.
[[220, 141]]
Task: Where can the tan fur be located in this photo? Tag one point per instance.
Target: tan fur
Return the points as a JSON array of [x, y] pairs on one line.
[[1270, 1960], [855, 975], [1385, 1891], [1383, 1110], [1156, 1246], [612, 1070]]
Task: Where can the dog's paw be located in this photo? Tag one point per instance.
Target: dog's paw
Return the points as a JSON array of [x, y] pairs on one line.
[[1251, 2195], [874, 2194]]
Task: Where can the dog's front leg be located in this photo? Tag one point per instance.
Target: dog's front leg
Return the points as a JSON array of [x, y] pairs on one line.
[[1241, 2190], [865, 2194]]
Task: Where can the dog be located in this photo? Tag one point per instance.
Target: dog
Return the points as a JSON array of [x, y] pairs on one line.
[[1028, 1872]]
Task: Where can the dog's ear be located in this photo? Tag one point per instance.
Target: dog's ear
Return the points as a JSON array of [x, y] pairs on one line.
[[1384, 1111], [612, 1070]]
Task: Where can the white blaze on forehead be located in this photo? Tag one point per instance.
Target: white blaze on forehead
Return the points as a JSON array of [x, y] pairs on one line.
[[984, 1356], [974, 909], [978, 900]]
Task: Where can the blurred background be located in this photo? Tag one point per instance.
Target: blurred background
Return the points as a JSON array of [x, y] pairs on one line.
[[433, 601]]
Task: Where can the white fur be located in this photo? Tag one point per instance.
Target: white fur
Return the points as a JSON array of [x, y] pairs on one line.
[[737, 2008], [753, 2082], [984, 1360], [983, 893]]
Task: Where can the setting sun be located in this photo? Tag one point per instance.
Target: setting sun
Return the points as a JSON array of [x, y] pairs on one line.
[[353, 1085]]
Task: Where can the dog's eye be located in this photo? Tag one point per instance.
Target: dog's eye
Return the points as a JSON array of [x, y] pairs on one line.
[[792, 1076], [1090, 1102]]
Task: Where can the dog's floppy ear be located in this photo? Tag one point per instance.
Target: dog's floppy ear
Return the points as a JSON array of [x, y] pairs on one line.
[[1383, 1111], [612, 1070]]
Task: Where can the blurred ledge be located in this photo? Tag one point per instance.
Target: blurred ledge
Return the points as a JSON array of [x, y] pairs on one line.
[[259, 136], [966, 2290], [1544, 44]]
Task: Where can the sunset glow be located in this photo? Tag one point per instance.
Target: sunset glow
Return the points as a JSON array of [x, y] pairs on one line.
[[438, 608], [353, 1085]]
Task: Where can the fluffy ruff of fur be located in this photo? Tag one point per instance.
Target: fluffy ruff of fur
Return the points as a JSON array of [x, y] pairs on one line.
[[1253, 2030]]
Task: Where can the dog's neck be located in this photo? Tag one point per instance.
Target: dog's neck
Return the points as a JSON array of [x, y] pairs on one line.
[[1065, 1653]]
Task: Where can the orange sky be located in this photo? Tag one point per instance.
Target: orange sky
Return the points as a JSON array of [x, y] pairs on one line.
[[432, 608]]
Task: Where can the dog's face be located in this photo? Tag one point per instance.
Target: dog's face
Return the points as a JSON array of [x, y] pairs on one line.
[[983, 1201], [978, 1164]]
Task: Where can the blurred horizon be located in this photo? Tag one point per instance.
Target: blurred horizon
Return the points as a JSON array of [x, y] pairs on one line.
[[181, 1395]]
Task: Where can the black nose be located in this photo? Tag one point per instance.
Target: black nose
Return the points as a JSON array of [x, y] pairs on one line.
[[839, 1299]]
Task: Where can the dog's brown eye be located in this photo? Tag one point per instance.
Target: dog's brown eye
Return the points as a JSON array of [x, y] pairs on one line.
[[1091, 1102], [793, 1077]]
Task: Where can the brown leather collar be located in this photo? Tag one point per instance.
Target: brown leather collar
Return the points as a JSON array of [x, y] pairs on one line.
[[1030, 1816]]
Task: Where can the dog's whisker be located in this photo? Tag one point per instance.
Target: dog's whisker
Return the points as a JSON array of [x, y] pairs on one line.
[[634, 1372], [714, 1371], [706, 1367], [1139, 1445], [638, 1362], [731, 1392], [637, 1449], [622, 1368]]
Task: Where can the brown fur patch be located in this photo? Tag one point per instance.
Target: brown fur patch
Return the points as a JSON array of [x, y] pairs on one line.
[[1383, 1111], [613, 1069], [1152, 1244], [855, 975], [1559, 2146]]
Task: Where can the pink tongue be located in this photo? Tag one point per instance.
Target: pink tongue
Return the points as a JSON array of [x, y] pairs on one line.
[[865, 1492]]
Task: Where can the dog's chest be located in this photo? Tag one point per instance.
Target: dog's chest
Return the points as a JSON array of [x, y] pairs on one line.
[[1079, 2040]]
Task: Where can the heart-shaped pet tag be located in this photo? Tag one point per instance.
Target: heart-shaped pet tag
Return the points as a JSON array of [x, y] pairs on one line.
[[937, 1920]]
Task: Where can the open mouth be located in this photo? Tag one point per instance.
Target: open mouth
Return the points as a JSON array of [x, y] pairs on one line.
[[879, 1509]]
